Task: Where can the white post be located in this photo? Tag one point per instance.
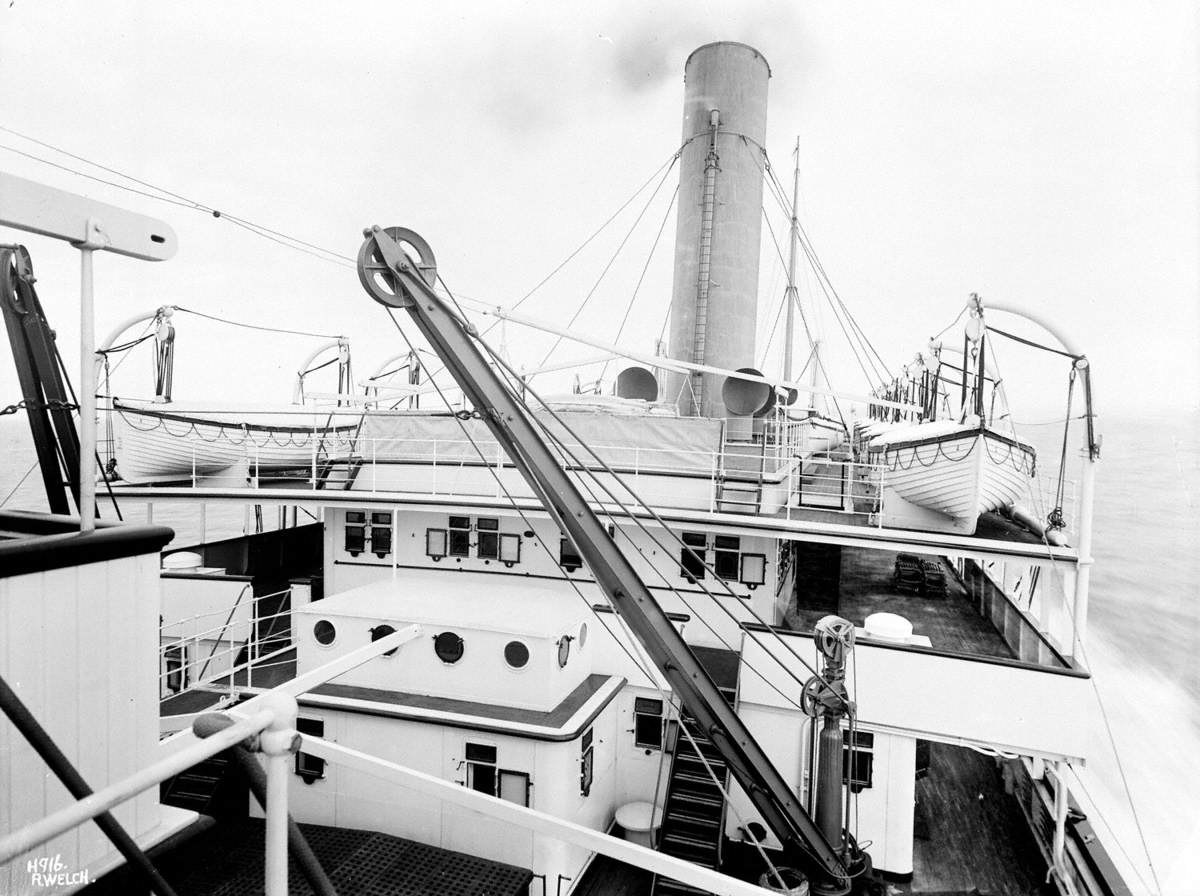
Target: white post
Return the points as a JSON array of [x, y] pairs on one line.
[[87, 386], [1058, 849], [1084, 563], [278, 743]]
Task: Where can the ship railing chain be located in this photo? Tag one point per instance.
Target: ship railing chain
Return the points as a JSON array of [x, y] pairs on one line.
[[53, 404]]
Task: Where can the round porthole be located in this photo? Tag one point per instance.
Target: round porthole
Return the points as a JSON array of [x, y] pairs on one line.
[[582, 635], [448, 646], [564, 650], [516, 654], [324, 632], [382, 631]]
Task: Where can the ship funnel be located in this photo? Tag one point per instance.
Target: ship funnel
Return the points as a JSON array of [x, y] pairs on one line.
[[715, 292], [637, 382]]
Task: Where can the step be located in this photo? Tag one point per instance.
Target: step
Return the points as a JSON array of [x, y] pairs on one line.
[[696, 766], [692, 849], [694, 779], [693, 816], [697, 802], [665, 886]]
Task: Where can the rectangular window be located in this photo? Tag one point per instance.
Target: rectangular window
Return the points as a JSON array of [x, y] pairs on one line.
[[647, 723], [176, 676], [754, 569], [356, 539], [481, 768], [381, 537], [857, 767], [460, 536], [568, 556], [309, 767], [356, 516], [514, 787], [586, 763], [488, 534], [435, 543], [381, 519], [727, 557], [510, 548], [693, 556]]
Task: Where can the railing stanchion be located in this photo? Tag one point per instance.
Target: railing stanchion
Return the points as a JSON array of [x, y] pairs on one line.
[[278, 742]]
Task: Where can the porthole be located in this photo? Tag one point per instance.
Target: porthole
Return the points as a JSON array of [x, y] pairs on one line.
[[582, 636], [382, 631], [324, 632], [516, 654], [564, 650], [448, 647]]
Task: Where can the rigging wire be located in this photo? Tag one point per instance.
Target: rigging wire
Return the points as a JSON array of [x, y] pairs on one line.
[[637, 288], [236, 323], [612, 260]]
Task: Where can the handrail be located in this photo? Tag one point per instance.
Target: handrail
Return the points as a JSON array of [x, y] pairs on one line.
[[77, 813]]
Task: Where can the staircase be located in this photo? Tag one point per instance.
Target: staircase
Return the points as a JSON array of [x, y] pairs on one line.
[[740, 480], [338, 475], [196, 788], [694, 818]]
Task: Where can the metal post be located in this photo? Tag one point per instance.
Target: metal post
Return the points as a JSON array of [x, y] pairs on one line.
[[278, 743], [1084, 563], [87, 388], [1058, 850]]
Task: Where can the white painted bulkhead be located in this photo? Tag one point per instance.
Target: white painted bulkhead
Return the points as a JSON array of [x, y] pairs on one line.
[[79, 646]]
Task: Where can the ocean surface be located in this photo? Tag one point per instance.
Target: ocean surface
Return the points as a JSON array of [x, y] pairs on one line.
[[1144, 636]]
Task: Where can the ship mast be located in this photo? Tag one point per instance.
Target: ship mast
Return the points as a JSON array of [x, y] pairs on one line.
[[791, 296]]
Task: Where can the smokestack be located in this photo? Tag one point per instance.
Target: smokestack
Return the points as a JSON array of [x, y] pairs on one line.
[[714, 300]]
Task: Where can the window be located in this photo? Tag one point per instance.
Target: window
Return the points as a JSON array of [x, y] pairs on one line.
[[586, 762], [510, 548], [435, 543], [356, 539], [176, 676], [481, 768], [325, 632], [488, 534], [568, 555], [516, 654], [381, 534], [309, 767], [727, 557], [514, 787], [754, 569], [564, 650], [858, 765], [692, 556], [449, 647], [460, 536], [647, 723]]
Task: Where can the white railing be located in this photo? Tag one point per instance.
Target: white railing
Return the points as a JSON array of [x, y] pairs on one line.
[[270, 716], [186, 658]]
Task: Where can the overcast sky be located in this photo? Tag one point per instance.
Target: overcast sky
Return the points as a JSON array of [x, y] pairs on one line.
[[1035, 153]]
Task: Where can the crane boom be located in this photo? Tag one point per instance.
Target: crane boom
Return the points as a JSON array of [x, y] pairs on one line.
[[397, 269]]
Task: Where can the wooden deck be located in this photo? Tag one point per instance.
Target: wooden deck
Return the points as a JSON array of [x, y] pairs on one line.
[[864, 586]]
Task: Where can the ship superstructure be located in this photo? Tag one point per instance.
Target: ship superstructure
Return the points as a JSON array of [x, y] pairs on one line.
[[769, 553]]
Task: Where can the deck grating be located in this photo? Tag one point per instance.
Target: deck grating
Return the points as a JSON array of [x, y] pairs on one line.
[[227, 860]]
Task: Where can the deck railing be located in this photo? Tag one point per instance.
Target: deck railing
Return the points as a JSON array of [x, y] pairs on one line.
[[214, 651]]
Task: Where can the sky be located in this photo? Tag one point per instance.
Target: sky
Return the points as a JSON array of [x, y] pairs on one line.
[[1037, 154]]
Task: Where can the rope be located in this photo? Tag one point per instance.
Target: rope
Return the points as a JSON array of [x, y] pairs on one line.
[[1032, 344], [236, 323]]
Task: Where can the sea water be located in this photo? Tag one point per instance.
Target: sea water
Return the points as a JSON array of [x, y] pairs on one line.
[[1143, 637]]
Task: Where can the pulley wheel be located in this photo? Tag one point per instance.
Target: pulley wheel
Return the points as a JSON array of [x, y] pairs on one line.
[[377, 277]]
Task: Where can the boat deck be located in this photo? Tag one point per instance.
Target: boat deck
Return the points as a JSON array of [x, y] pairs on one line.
[[227, 860], [862, 584]]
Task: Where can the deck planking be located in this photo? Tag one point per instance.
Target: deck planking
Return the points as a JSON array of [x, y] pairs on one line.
[[951, 623]]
